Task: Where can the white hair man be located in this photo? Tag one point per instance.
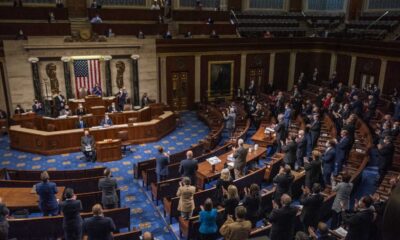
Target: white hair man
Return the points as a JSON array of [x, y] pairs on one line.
[[240, 155]]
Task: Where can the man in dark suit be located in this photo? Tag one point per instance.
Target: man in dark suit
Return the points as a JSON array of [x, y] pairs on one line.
[[81, 123], [47, 191], [301, 151], [343, 148], [328, 161], [371, 108], [359, 222], [290, 149], [162, 161], [59, 103], [315, 130], [386, 152], [356, 106], [37, 107], [70, 208], [312, 203], [283, 182], [88, 146], [240, 156], [312, 167], [80, 111], [4, 212], [112, 108], [108, 186], [280, 131], [98, 227], [188, 167], [121, 99], [283, 219], [106, 121], [145, 100]]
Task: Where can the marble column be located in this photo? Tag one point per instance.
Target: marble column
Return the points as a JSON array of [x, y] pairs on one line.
[[35, 78], [135, 81], [107, 60], [67, 77]]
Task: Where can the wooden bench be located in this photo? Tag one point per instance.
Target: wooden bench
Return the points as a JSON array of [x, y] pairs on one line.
[[33, 175]]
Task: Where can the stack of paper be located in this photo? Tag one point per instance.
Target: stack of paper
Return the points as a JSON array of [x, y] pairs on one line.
[[213, 160]]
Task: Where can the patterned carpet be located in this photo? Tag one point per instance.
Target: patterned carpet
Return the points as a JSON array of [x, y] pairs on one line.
[[144, 214]]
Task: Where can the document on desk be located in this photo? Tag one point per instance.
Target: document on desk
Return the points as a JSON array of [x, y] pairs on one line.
[[341, 232], [213, 160]]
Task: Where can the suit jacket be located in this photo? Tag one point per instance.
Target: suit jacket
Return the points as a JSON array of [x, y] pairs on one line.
[[106, 122], [47, 195], [122, 100], [280, 131], [290, 152], [98, 228], [70, 209], [111, 109], [188, 168], [313, 172], [87, 140], [235, 230], [283, 184], [357, 107], [283, 223], [386, 156], [301, 148], [78, 124], [240, 157], [108, 186], [343, 191], [311, 207], [342, 150], [359, 224], [328, 160], [186, 202], [315, 128], [38, 109], [80, 112], [59, 102], [162, 165]]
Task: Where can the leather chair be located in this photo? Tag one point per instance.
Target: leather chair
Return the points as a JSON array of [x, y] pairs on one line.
[[123, 135]]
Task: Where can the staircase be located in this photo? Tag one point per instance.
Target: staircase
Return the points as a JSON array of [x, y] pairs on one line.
[[79, 23]]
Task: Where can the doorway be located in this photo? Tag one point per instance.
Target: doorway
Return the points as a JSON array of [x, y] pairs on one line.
[[180, 90]]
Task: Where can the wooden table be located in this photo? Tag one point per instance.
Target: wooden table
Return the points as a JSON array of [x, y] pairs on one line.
[[91, 101], [19, 198], [262, 139], [108, 150], [205, 173]]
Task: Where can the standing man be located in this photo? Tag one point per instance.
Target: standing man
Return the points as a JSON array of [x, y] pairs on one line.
[[282, 219], [98, 227], [386, 152], [315, 130], [72, 223], [343, 148], [328, 161], [312, 203], [37, 107], [280, 132], [283, 182], [240, 156], [108, 186], [301, 151], [88, 146], [238, 229], [230, 119], [48, 203], [290, 149], [59, 103], [188, 167], [121, 99], [287, 116], [162, 161]]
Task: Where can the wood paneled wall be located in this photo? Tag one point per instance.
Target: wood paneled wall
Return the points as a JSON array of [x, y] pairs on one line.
[[204, 70], [369, 66], [260, 61], [307, 61], [181, 64], [281, 70], [343, 65], [392, 77]]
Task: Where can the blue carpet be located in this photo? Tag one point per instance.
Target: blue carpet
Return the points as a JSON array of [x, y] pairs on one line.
[[144, 214]]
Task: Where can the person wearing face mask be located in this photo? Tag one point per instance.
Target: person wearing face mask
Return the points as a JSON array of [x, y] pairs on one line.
[[80, 111], [121, 98], [66, 111], [19, 109], [106, 121], [37, 107]]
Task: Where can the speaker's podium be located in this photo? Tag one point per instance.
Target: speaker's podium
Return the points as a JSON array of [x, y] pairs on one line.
[[108, 150]]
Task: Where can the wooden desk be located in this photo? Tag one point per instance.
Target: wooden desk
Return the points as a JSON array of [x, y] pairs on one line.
[[17, 198], [91, 101], [262, 139], [18, 119], [108, 151], [205, 173], [58, 142]]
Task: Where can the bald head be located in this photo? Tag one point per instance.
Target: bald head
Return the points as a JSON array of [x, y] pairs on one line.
[[189, 154], [286, 200], [147, 236]]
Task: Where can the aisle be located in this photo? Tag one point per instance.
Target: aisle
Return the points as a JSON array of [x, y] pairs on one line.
[[143, 212]]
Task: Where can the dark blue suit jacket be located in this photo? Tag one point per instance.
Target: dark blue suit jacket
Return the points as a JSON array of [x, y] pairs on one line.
[[70, 209], [98, 228], [162, 165], [104, 122], [188, 168], [47, 195], [342, 149], [328, 160]]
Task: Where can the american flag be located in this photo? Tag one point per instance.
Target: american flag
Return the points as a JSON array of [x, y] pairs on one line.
[[87, 74]]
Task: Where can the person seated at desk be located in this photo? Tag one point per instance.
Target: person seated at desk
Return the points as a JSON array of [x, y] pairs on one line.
[[37, 107], [88, 147], [19, 109], [80, 111], [140, 35], [96, 90], [106, 121], [167, 35], [65, 112], [96, 19], [112, 108], [214, 34], [81, 123], [3, 114], [145, 100]]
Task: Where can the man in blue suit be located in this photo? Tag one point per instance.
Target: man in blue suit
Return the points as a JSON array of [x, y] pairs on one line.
[[287, 116], [342, 151], [315, 130], [121, 99], [188, 167], [106, 121], [328, 161], [72, 223], [47, 191], [98, 227], [162, 161], [97, 90]]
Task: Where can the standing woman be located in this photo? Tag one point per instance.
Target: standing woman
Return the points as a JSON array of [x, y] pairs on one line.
[[72, 222], [222, 184], [47, 191], [108, 186], [252, 202], [343, 191], [186, 202], [231, 200], [313, 169], [208, 221]]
